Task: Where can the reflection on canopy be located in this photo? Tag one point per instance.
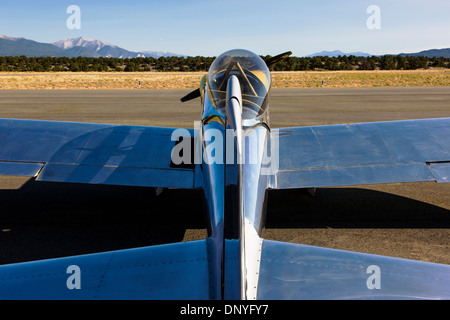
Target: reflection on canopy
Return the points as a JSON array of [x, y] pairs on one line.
[[253, 75]]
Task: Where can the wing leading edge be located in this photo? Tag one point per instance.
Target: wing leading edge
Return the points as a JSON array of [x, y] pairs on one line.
[[91, 153], [363, 153]]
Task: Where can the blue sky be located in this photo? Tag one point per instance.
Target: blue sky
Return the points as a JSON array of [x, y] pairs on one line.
[[209, 27]]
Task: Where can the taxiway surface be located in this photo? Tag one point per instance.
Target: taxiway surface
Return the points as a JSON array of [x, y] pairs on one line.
[[46, 220]]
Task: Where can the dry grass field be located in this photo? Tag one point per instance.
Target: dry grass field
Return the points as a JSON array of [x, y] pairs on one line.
[[188, 80], [352, 79]]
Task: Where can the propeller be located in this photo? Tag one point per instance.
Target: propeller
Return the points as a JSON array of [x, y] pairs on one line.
[[271, 61], [192, 95]]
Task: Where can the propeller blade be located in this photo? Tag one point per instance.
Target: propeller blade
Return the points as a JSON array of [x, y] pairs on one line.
[[273, 60], [194, 94]]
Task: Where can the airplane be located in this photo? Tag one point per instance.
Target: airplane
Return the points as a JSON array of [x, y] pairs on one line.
[[235, 157]]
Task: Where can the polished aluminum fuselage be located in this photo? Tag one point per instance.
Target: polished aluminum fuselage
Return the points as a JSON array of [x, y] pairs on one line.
[[235, 180]]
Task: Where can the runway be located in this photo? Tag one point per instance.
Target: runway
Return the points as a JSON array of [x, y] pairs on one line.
[[46, 220]]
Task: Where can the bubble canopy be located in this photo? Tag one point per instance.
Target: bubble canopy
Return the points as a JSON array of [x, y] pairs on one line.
[[253, 75]]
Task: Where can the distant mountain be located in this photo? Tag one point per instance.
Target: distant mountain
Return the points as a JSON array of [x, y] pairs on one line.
[[86, 47], [157, 54], [337, 53], [82, 46], [84, 42], [105, 49], [23, 47], [100, 48], [444, 53]]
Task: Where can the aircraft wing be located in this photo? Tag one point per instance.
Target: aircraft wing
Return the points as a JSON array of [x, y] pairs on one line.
[[294, 271], [103, 154], [355, 154], [363, 153], [174, 271], [91, 153]]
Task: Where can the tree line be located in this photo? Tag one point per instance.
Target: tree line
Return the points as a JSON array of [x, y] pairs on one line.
[[192, 64]]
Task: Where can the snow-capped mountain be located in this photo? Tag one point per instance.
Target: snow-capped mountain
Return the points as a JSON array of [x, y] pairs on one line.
[[82, 42], [82, 46], [337, 53], [10, 38], [103, 49], [10, 46], [108, 50]]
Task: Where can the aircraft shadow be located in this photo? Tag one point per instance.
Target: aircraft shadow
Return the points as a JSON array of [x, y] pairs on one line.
[[351, 208], [43, 220]]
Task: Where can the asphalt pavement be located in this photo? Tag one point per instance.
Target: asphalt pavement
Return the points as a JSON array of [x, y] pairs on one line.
[[45, 220]]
